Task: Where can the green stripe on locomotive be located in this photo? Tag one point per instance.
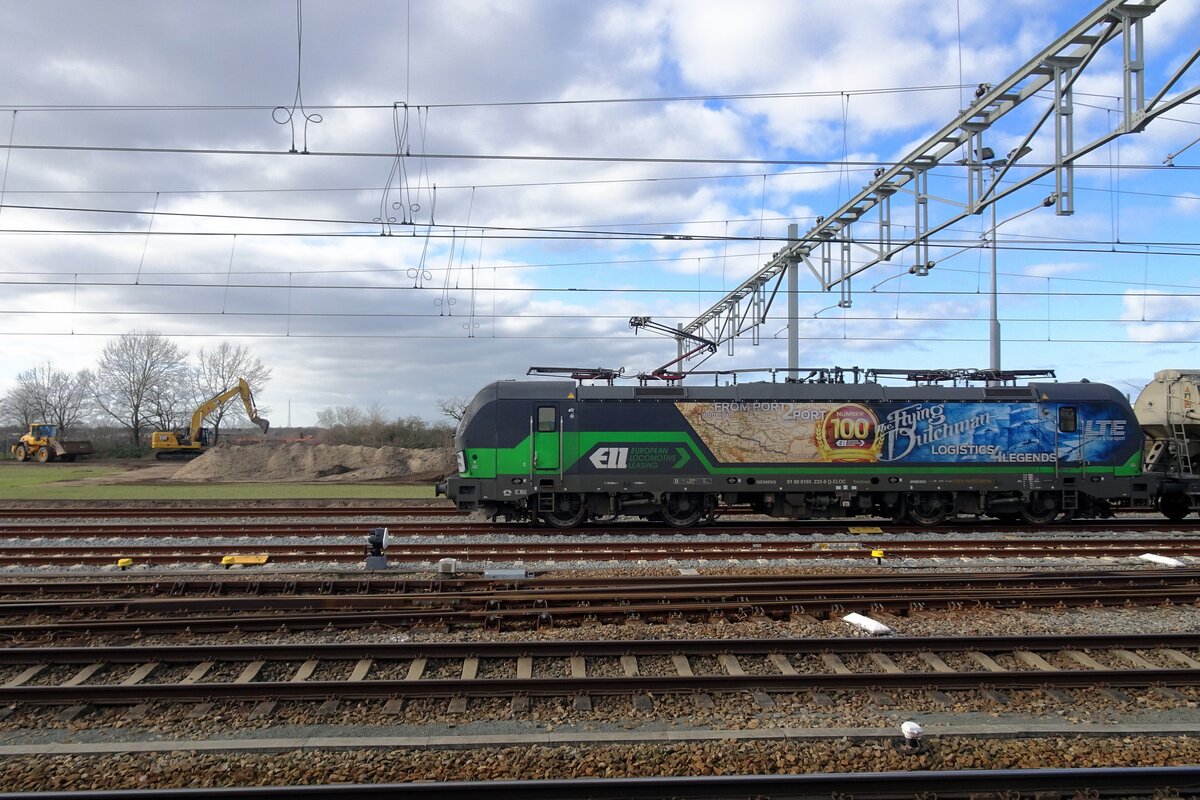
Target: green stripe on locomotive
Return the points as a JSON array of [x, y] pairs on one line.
[[484, 463]]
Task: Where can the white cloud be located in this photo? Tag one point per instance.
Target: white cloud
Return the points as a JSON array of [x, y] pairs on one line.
[[1188, 204], [1055, 269], [331, 305], [1154, 316]]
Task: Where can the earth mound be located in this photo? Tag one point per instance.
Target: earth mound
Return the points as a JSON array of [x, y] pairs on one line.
[[320, 463]]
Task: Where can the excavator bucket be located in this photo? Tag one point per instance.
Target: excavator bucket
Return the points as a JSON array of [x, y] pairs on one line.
[[264, 424]]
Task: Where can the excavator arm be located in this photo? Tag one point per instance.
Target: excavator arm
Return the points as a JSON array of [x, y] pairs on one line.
[[215, 402]]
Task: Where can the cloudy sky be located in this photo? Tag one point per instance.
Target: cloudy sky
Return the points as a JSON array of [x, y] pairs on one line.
[[564, 166]]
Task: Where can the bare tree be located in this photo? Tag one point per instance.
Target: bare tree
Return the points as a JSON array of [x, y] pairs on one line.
[[453, 407], [354, 426], [219, 368], [136, 377], [55, 396], [342, 425], [18, 408], [375, 425]]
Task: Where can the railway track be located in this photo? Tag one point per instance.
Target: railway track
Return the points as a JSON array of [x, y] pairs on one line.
[[186, 608], [400, 524], [639, 669], [1104, 782], [691, 548], [241, 510]]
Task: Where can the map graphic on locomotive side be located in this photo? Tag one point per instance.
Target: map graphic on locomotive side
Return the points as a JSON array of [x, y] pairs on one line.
[[922, 432]]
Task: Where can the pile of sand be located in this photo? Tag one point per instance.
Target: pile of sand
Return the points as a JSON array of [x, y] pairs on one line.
[[298, 462]]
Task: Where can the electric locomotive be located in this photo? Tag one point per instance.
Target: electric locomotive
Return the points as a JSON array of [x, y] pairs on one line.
[[563, 453]]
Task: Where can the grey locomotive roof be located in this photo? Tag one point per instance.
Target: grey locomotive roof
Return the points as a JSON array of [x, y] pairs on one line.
[[800, 392]]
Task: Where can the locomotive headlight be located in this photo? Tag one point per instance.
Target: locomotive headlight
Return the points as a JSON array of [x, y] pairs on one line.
[[462, 461]]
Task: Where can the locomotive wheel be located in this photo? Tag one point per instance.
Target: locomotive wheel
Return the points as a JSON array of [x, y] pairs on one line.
[[1040, 509], [1174, 506], [568, 512], [929, 508], [43, 455], [22, 454], [682, 510]]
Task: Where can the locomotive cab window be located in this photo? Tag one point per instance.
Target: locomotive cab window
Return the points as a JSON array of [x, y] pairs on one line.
[[1067, 420], [547, 419]]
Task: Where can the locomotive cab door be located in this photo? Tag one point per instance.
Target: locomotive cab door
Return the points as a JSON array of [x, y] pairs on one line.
[[546, 437]]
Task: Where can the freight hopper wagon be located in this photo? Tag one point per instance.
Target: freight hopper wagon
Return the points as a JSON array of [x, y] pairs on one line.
[[564, 453]]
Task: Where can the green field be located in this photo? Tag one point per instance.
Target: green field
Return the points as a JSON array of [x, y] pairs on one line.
[[44, 482]]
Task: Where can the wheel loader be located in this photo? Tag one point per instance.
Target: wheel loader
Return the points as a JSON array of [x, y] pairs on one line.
[[42, 444]]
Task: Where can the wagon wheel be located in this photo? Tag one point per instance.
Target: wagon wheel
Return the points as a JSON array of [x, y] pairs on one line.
[[682, 510], [1174, 506], [930, 508], [1040, 509], [569, 511], [43, 454], [21, 453]]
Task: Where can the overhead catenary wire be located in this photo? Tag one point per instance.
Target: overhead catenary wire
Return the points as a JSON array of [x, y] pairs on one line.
[[695, 98], [580, 290], [530, 157], [580, 316], [617, 336]]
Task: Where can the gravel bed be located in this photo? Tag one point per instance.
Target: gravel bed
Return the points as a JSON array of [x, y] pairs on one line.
[[981, 622], [652, 666], [674, 713], [607, 667], [499, 668], [169, 673], [225, 672], [680, 712], [332, 670], [275, 671], [174, 770], [551, 668]]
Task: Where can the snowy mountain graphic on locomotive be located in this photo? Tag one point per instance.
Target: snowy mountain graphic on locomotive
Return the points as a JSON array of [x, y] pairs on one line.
[[955, 442]]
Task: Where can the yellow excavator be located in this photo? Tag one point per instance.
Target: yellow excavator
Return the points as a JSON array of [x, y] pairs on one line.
[[190, 442]]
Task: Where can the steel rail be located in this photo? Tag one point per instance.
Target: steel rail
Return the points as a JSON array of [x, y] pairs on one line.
[[746, 602], [243, 510], [590, 648], [403, 527], [1098, 782], [547, 608], [756, 595], [860, 581], [596, 686], [687, 550]]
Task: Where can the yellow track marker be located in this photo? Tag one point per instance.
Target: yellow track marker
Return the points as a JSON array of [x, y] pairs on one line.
[[258, 560]]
